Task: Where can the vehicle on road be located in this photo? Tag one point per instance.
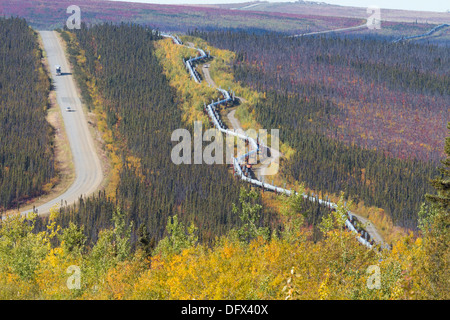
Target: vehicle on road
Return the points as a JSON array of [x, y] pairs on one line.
[[58, 70]]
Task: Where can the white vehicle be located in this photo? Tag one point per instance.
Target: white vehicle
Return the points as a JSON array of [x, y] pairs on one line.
[[68, 109]]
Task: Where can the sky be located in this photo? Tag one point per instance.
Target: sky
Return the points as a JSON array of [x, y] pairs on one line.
[[418, 5]]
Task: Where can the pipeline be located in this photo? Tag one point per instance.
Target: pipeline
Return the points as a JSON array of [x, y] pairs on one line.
[[429, 33], [363, 236]]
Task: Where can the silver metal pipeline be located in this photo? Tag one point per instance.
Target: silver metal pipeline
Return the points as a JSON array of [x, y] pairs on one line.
[[429, 33], [175, 39]]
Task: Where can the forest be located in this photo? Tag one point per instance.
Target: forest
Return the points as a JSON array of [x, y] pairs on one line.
[[360, 116], [383, 100], [27, 167], [136, 100]]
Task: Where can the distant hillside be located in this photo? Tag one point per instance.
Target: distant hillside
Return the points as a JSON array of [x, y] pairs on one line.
[[290, 18], [42, 14], [324, 9], [393, 22]]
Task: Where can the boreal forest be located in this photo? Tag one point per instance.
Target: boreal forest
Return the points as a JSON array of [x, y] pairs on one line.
[[363, 123]]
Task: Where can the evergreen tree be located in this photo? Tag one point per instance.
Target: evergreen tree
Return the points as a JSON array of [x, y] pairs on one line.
[[144, 242], [442, 184]]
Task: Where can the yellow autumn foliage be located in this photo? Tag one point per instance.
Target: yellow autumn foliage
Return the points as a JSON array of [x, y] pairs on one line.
[[334, 268]]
